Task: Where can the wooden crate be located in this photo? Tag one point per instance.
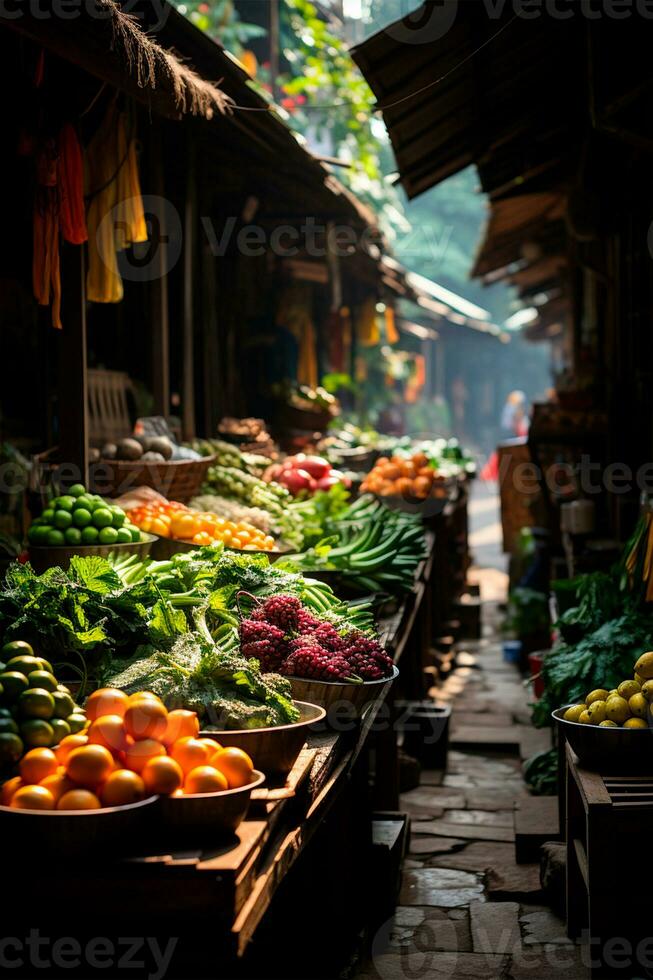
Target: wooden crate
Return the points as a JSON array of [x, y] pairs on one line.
[[608, 823]]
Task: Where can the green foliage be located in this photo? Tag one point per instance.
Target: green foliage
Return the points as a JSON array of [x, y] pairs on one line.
[[541, 773], [528, 612]]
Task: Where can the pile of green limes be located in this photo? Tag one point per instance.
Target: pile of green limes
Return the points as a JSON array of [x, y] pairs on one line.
[[80, 518], [35, 710]]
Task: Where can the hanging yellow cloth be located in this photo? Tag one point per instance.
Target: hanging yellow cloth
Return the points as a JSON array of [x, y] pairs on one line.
[[46, 276], [115, 216], [368, 327], [294, 314]]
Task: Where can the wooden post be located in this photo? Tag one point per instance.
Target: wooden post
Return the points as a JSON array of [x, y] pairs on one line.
[[188, 376], [72, 372], [160, 322]]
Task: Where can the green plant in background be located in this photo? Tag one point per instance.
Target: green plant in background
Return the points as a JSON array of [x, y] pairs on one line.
[[541, 773], [528, 612], [221, 21]]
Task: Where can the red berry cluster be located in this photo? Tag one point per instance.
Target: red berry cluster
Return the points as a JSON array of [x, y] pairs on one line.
[[288, 639]]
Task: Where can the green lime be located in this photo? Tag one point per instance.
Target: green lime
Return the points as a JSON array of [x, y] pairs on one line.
[[45, 665], [90, 535], [38, 534], [60, 728], [8, 725], [63, 704], [73, 536], [102, 517], [83, 503], [135, 533], [97, 501], [47, 516], [55, 538], [76, 722], [42, 679], [25, 663], [17, 648], [82, 517], [118, 517], [124, 535], [36, 733], [11, 748], [63, 519], [5, 713], [36, 702], [13, 684], [64, 503], [77, 490], [108, 535]]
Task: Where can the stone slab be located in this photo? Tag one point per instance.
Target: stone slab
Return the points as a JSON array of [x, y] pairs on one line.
[[495, 927], [444, 828], [434, 845], [440, 887], [436, 966]]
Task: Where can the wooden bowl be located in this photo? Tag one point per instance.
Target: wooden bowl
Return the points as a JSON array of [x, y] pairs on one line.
[[274, 750], [219, 813], [42, 558], [612, 751], [340, 701], [77, 831]]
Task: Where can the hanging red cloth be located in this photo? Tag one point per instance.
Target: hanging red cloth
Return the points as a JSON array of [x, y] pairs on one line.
[[71, 172]]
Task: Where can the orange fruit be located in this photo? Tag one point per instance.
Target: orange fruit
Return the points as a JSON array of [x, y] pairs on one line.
[[106, 701], [67, 744], [210, 744], [89, 765], [109, 731], [146, 718], [32, 798], [37, 764], [139, 754], [79, 799], [235, 764], [189, 753], [205, 779], [121, 787], [162, 775], [58, 784], [8, 790], [144, 696], [181, 724]]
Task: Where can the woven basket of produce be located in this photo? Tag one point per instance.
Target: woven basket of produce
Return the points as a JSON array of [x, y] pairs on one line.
[[43, 558], [340, 700], [175, 479]]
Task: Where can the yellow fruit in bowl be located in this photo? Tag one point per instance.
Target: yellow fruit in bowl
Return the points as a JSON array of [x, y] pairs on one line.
[[597, 712], [608, 724], [574, 713], [612, 693], [584, 718], [647, 691], [644, 666], [616, 709], [640, 680], [635, 723], [638, 706], [600, 694], [627, 689]]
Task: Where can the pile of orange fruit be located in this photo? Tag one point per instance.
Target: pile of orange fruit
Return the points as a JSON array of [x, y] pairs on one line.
[[132, 748], [178, 522], [397, 477]]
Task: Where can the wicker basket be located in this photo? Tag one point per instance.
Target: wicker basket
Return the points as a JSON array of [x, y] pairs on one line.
[[177, 479], [43, 558]]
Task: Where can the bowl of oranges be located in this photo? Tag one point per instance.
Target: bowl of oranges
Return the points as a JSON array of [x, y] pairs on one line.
[[178, 528], [99, 783]]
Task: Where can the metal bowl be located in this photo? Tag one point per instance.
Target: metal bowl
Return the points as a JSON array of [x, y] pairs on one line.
[[341, 702], [79, 830], [42, 558], [612, 751], [219, 813], [274, 750]]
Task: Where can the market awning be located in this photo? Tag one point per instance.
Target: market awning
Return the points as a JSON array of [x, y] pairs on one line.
[[112, 46], [460, 84], [512, 223]]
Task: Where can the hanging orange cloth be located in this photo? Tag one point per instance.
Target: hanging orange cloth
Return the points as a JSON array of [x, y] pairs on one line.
[[115, 215], [46, 276], [367, 324], [391, 332], [71, 172], [294, 314]]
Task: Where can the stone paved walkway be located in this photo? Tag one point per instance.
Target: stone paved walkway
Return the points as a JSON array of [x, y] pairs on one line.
[[466, 909]]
